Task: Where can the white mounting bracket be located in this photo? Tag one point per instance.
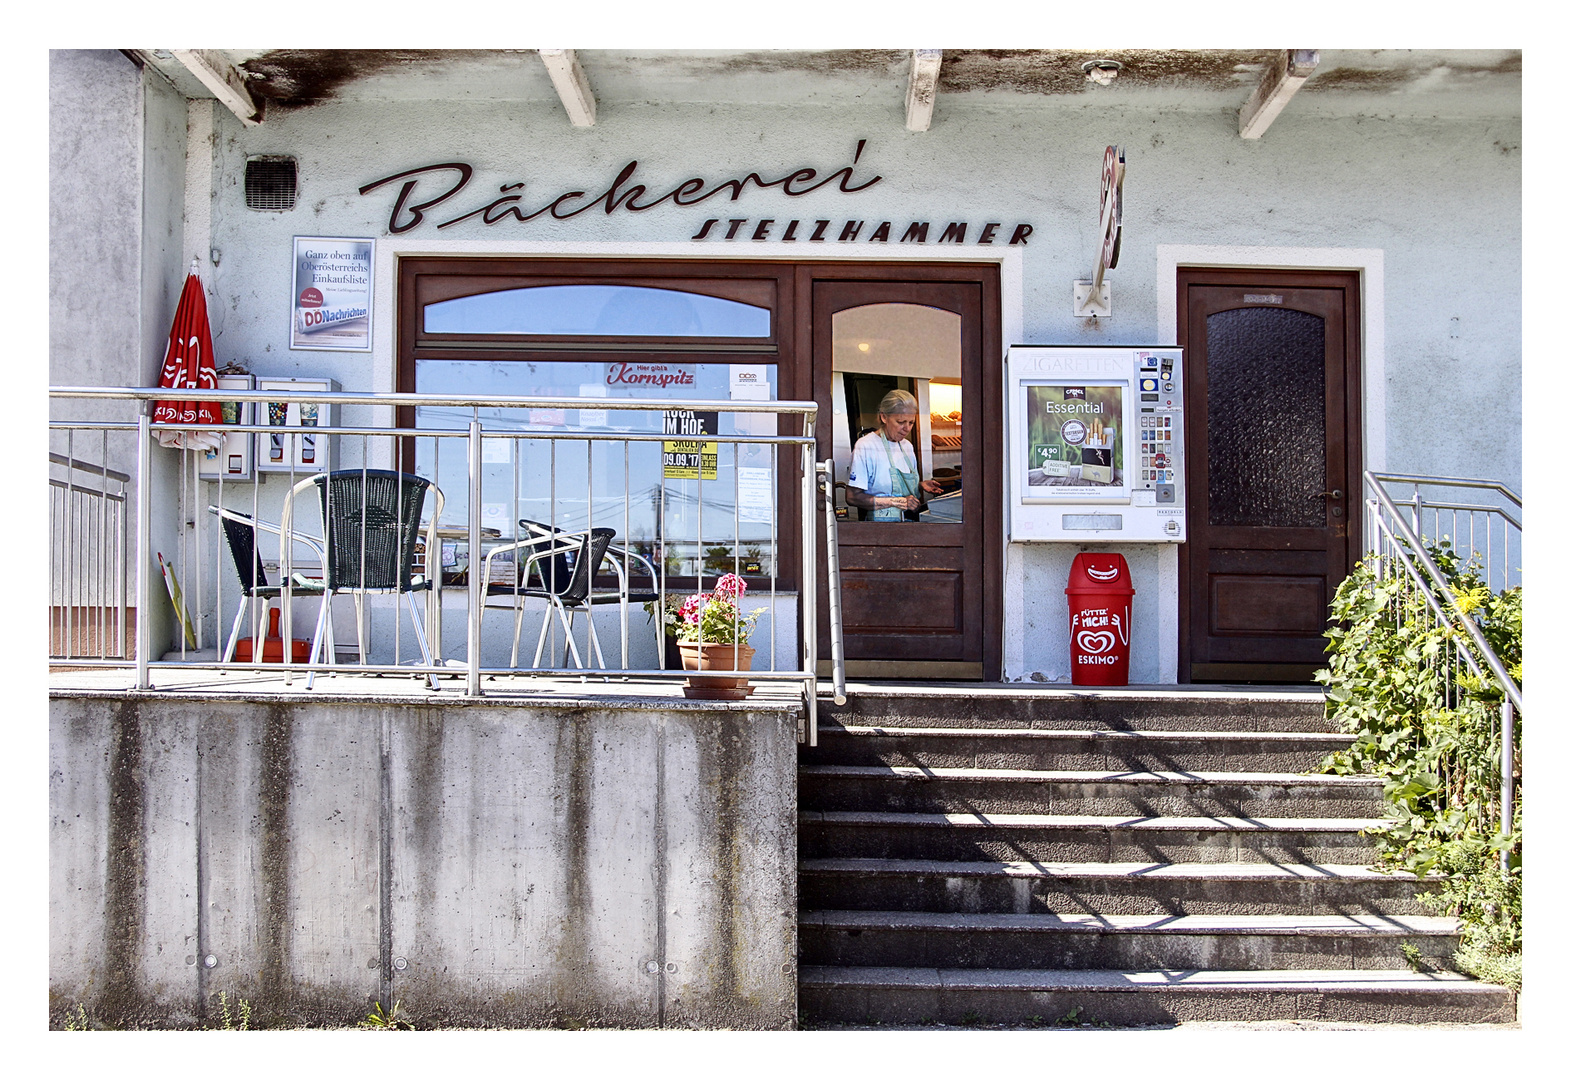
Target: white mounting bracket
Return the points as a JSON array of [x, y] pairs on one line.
[[1094, 303]]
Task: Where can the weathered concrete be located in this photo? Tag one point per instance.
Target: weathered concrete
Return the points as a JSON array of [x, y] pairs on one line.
[[486, 864]]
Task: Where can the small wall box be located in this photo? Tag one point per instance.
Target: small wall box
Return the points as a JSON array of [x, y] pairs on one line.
[[294, 447], [232, 459]]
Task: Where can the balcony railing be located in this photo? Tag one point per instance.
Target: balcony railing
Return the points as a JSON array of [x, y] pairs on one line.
[[500, 464]]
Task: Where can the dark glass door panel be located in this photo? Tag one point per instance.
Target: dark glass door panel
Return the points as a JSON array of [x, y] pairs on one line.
[[1266, 399]]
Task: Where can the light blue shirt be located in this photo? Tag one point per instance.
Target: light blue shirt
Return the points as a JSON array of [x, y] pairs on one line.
[[870, 464]]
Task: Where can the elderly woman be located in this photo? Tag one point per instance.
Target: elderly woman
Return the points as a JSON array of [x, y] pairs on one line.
[[884, 477]]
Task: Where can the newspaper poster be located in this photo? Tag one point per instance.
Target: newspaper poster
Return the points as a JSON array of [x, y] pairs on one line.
[[683, 460], [331, 305]]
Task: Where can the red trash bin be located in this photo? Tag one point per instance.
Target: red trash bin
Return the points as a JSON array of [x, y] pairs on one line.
[[1099, 591]]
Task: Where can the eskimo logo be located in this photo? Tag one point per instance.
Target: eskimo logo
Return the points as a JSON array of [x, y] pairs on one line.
[[1110, 574], [1095, 641]]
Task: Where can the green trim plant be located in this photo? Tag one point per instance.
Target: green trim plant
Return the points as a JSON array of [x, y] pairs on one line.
[[377, 1020], [228, 1021], [1436, 745]]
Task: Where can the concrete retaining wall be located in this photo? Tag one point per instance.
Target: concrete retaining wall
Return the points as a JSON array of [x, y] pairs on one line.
[[620, 863]]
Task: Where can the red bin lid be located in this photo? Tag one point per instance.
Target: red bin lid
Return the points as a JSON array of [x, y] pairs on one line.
[[1102, 572]]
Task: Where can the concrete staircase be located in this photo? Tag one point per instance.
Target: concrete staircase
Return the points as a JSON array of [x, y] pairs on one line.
[[987, 855]]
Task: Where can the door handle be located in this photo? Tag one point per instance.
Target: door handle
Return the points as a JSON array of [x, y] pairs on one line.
[[1335, 493]]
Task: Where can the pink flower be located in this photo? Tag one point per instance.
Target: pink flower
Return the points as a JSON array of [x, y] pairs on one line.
[[692, 607], [730, 587]]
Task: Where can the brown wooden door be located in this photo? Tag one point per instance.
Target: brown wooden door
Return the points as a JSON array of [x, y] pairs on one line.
[[914, 594], [1274, 467]]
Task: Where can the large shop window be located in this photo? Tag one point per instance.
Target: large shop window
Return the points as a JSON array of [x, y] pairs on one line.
[[530, 330]]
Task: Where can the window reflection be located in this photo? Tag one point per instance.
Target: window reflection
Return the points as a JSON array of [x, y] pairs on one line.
[[610, 310], [684, 500], [895, 391]]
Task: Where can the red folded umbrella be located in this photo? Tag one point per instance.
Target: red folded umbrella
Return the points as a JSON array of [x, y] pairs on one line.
[[188, 364]]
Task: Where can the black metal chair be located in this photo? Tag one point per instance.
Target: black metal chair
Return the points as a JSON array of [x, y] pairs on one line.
[[240, 534], [555, 565], [371, 522]]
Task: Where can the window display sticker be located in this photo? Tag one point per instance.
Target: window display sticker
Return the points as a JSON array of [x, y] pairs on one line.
[[749, 382], [592, 417], [1073, 436], [755, 495], [495, 451], [682, 460], [330, 306]]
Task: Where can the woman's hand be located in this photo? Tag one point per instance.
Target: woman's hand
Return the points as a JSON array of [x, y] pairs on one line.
[[932, 487]]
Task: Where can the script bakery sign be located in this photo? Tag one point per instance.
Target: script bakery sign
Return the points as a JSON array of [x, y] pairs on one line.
[[421, 191]]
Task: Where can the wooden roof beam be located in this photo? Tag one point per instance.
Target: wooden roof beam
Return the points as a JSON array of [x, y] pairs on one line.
[[216, 73], [923, 88], [1279, 83], [572, 85]]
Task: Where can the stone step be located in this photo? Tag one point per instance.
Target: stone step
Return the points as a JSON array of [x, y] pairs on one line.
[[1137, 888], [915, 789], [904, 995], [1081, 838], [1123, 942], [1018, 748], [1018, 705]]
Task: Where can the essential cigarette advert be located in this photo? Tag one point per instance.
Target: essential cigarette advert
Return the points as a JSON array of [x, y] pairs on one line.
[[1072, 436], [332, 293]]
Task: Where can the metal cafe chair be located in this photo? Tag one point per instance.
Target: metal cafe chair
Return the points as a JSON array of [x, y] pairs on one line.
[[371, 521], [240, 534], [555, 567], [558, 567]]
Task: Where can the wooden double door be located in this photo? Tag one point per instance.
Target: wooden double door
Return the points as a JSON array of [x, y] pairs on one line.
[[920, 596], [1272, 396]]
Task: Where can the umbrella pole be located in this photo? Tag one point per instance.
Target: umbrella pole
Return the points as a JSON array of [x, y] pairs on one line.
[[144, 507]]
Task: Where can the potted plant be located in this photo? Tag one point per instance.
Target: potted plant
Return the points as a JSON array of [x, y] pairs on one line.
[[712, 632]]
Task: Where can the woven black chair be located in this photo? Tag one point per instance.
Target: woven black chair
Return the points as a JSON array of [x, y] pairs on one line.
[[558, 567], [371, 522], [240, 534]]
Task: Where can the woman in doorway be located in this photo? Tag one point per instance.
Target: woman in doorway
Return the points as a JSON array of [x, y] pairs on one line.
[[884, 477]]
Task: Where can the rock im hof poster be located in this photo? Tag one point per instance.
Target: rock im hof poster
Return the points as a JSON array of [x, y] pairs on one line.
[[331, 308]]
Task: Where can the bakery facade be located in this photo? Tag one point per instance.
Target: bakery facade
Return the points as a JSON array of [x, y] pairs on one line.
[[1314, 253]]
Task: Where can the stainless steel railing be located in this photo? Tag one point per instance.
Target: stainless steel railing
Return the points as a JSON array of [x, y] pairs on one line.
[[89, 553], [704, 550], [1481, 535], [826, 486]]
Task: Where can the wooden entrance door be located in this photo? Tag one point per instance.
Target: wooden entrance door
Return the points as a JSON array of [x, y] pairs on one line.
[[1274, 467], [918, 598]]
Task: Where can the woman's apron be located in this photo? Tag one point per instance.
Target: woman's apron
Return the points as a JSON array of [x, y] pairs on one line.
[[904, 484]]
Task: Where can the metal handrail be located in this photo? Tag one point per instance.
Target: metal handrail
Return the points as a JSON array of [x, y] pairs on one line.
[[1502, 678], [498, 401], [1447, 481], [1416, 549], [832, 546]]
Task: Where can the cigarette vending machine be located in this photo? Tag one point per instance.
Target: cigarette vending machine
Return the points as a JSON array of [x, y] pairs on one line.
[[1096, 443]]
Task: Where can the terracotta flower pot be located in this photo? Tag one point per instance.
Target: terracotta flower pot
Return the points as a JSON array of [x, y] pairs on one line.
[[707, 656]]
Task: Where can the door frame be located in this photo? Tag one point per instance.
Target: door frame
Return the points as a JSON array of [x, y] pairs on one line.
[[990, 462], [1354, 420]]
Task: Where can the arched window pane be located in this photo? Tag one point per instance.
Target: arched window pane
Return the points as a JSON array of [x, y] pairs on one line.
[[609, 310]]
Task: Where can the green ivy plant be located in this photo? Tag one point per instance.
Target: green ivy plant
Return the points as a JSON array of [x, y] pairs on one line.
[[1436, 745]]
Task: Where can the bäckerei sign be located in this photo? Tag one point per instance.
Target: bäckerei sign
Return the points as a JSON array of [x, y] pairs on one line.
[[429, 186]]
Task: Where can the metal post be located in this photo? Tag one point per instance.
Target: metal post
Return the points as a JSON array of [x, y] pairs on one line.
[[809, 587], [144, 543], [832, 577], [1507, 767], [476, 599]]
